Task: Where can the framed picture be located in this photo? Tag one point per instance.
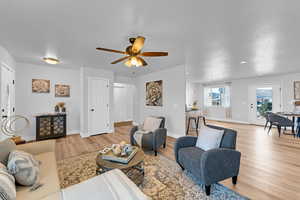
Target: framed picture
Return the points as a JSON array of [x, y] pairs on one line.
[[40, 86], [62, 90], [154, 93], [297, 90]]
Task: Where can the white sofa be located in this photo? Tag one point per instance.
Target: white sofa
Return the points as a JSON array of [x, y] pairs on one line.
[[112, 185]]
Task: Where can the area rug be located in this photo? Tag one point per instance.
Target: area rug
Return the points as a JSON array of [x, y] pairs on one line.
[[163, 180]]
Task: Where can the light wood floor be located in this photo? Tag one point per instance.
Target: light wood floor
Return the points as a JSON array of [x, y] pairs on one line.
[[270, 166]]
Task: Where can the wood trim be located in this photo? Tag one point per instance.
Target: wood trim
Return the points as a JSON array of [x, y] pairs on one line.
[[124, 123]]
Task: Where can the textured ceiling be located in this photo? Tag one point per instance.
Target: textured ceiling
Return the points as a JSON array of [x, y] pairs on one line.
[[210, 38]]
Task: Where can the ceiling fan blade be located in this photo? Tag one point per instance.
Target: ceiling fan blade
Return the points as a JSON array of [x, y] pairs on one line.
[[154, 54], [141, 62], [120, 60], [138, 44], [111, 50]]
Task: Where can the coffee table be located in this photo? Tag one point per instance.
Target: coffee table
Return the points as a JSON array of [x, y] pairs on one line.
[[136, 163]]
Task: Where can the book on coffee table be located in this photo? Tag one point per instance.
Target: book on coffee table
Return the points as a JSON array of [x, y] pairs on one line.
[[121, 159]]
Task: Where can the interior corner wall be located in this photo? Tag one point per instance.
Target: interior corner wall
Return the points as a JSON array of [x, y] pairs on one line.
[[29, 104], [85, 73], [174, 98], [6, 59]]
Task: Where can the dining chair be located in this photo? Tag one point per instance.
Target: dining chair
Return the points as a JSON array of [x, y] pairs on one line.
[[279, 121]]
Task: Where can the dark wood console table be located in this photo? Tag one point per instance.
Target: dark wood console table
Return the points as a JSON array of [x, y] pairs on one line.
[[49, 126]]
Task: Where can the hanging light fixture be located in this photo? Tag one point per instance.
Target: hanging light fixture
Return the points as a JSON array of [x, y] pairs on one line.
[[51, 61]]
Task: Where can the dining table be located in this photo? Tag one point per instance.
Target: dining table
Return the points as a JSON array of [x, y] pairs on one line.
[[294, 116]]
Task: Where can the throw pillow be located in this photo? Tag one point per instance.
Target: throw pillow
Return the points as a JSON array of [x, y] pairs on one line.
[[151, 123], [6, 146], [24, 167], [7, 185], [209, 138]]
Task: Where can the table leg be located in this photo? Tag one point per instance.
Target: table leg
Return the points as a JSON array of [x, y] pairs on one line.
[[101, 170], [140, 167]]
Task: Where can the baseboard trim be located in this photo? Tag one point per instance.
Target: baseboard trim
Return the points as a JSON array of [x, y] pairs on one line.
[[123, 123], [175, 135], [227, 120], [135, 123], [73, 132]]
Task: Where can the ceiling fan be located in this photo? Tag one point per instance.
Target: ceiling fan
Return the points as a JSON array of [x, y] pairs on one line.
[[133, 53]]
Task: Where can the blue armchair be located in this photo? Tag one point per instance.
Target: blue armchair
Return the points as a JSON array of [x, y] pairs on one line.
[[213, 165]]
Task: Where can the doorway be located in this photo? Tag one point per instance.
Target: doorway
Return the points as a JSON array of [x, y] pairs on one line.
[[98, 106], [123, 103], [7, 91], [262, 99]]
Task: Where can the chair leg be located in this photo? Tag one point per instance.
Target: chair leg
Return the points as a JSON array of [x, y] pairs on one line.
[[195, 120], [197, 125], [266, 125], [234, 180], [155, 152], [270, 128], [204, 122], [165, 145], [207, 190], [279, 130], [188, 126]]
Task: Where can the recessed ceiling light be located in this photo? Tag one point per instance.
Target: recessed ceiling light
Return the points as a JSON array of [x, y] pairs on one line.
[[52, 61], [243, 62]]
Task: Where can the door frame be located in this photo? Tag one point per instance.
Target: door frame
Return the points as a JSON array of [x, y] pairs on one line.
[[88, 101], [262, 85], [4, 65]]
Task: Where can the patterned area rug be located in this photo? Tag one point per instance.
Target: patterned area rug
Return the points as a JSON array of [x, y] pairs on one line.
[[163, 179]]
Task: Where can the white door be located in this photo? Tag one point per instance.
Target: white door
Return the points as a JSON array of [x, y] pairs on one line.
[[98, 105], [263, 98], [7, 91]]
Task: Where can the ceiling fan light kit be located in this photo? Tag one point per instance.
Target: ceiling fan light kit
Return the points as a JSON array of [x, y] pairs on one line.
[[133, 53], [51, 61]]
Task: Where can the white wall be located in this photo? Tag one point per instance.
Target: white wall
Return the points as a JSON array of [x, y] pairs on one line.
[[84, 74], [174, 98], [240, 99], [6, 59], [124, 79], [30, 104]]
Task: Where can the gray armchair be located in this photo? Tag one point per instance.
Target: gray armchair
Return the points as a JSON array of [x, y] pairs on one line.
[[213, 165], [153, 140]]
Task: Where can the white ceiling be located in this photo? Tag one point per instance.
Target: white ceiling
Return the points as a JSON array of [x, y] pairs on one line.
[[209, 37]]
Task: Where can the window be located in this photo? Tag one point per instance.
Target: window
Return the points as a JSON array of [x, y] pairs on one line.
[[217, 96]]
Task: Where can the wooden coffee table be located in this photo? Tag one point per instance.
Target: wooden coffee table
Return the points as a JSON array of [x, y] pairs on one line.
[[135, 163]]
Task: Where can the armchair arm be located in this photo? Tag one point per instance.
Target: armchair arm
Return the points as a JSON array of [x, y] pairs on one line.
[[132, 131], [36, 148], [159, 137], [219, 164], [182, 142]]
